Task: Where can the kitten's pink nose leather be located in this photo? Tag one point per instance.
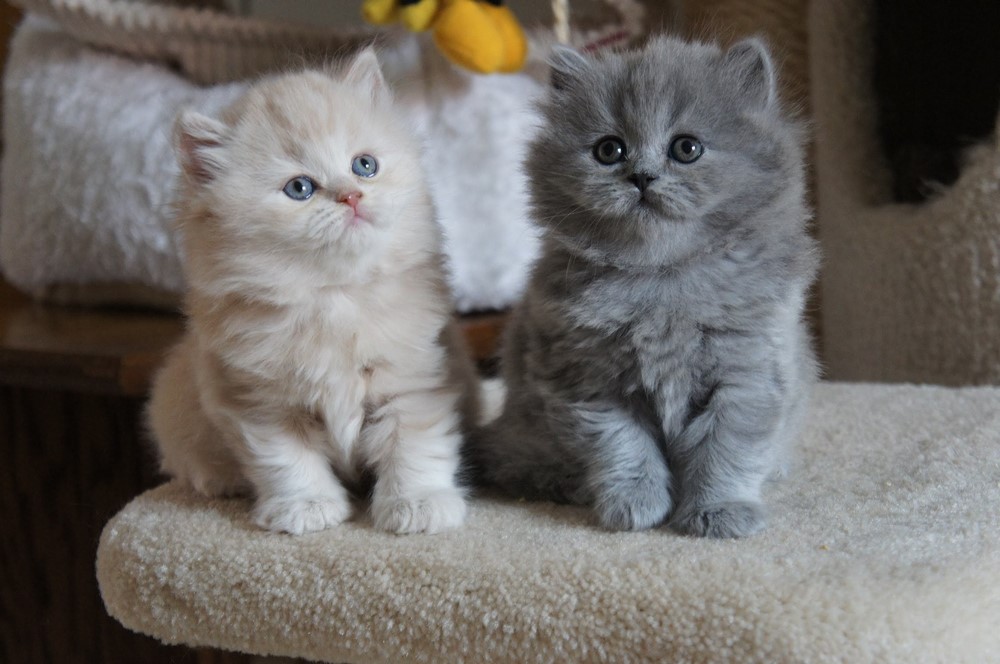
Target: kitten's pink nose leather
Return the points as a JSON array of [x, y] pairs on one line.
[[351, 198]]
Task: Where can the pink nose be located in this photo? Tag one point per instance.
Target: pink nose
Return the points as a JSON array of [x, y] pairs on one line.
[[351, 198]]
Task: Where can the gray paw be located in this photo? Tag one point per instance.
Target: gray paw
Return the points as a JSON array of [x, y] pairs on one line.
[[637, 508], [720, 520]]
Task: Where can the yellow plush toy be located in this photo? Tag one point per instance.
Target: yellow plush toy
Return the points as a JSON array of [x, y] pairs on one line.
[[481, 35]]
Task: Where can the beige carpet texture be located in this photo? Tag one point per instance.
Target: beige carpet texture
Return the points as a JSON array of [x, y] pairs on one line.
[[883, 546]]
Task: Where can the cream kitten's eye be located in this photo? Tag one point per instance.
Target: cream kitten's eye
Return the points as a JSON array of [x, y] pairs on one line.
[[686, 149], [610, 150], [300, 188], [364, 165]]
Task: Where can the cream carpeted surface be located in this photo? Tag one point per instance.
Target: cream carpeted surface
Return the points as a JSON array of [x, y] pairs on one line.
[[883, 546]]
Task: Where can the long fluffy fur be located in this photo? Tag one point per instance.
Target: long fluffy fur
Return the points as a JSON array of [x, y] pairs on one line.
[[320, 348], [658, 363]]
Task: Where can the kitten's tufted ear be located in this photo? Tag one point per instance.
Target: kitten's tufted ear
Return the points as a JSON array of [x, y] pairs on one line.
[[365, 72], [199, 139], [751, 64], [568, 65]]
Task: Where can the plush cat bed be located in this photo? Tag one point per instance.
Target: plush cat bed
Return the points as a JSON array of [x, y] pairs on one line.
[[909, 291], [883, 545], [206, 45]]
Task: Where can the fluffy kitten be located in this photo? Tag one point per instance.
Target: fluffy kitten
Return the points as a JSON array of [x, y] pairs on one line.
[[320, 347], [658, 362]]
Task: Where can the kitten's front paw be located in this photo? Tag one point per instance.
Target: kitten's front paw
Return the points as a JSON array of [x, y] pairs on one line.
[[427, 513], [639, 508], [301, 515], [720, 520]]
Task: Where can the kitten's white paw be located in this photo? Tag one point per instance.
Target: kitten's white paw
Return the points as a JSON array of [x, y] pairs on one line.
[[720, 520], [427, 513], [301, 515]]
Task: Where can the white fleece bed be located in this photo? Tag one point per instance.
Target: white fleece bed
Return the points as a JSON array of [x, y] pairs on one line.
[[883, 546], [88, 170]]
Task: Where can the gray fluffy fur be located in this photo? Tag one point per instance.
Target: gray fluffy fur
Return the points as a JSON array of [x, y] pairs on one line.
[[659, 363]]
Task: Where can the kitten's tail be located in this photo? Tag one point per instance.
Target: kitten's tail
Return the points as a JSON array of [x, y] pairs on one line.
[[497, 459], [500, 456]]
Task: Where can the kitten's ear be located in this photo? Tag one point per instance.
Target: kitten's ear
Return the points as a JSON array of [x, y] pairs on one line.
[[365, 72], [750, 63], [199, 140], [568, 65]]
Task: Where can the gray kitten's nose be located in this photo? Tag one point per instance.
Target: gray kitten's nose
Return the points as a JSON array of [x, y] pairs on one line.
[[641, 180]]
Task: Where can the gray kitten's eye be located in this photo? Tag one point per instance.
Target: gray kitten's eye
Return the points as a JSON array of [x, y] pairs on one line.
[[364, 165], [300, 188], [609, 150], [686, 149]]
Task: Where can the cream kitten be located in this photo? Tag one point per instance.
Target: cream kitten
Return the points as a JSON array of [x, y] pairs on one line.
[[320, 348]]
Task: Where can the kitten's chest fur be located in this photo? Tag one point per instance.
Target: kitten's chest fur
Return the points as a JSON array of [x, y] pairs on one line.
[[654, 340], [324, 354], [657, 349]]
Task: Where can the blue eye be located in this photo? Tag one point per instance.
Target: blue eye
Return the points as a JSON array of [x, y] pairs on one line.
[[300, 188], [686, 149], [610, 150], [364, 165]]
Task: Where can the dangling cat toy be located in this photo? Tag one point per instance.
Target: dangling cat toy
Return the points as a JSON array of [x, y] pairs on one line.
[[481, 35]]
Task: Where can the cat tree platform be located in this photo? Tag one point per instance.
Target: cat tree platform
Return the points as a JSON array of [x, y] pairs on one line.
[[883, 545]]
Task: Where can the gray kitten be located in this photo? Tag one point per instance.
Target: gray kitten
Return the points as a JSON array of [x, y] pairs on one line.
[[659, 361]]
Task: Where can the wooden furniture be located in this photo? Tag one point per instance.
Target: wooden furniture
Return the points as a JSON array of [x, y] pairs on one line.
[[72, 385]]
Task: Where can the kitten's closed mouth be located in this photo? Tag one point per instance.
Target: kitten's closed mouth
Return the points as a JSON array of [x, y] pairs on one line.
[[358, 216], [647, 206]]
